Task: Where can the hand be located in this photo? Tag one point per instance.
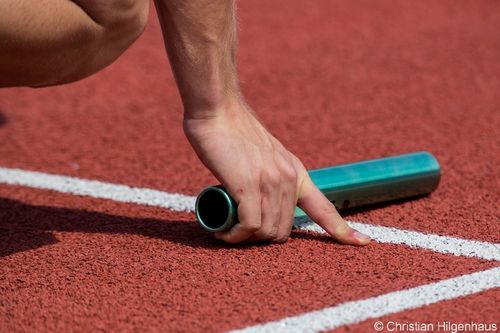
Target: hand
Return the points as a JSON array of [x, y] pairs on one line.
[[263, 177]]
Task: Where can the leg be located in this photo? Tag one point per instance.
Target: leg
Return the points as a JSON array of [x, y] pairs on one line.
[[48, 42]]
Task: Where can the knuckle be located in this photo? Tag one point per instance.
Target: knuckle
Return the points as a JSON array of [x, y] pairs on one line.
[[299, 166], [251, 226], [267, 232], [266, 235], [246, 190], [327, 209], [272, 177], [239, 192], [287, 168], [290, 173]]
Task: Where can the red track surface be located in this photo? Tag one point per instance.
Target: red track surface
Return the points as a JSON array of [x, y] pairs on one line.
[[336, 82]]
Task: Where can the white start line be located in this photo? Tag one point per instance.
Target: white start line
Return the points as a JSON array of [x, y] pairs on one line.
[[327, 318]]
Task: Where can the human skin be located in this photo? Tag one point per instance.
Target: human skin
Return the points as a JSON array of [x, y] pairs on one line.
[[48, 42], [51, 42]]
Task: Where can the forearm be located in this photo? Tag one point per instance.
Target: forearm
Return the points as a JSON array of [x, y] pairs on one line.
[[200, 38]]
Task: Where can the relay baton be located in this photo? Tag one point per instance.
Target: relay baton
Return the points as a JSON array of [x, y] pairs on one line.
[[346, 186]]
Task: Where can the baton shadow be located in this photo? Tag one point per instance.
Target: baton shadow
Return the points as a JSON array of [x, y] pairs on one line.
[[367, 208], [346, 212]]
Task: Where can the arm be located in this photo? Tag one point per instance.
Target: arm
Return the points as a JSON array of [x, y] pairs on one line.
[[200, 39], [263, 177]]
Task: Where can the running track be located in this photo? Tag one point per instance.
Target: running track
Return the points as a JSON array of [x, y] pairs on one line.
[[336, 82]]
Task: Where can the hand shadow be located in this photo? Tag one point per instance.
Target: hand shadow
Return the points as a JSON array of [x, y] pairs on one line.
[[25, 227]]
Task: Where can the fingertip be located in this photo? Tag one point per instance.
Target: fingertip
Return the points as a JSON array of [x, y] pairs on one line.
[[361, 238], [352, 237]]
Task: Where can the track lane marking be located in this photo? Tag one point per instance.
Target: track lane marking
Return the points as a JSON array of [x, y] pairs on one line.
[[97, 189], [180, 202], [374, 307], [327, 318], [437, 243]]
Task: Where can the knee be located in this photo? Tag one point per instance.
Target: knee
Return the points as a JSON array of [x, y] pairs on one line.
[[118, 24], [122, 21]]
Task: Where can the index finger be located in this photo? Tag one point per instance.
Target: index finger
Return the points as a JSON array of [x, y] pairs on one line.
[[323, 212]]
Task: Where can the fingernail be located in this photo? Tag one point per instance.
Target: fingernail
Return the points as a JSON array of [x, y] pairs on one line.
[[361, 237]]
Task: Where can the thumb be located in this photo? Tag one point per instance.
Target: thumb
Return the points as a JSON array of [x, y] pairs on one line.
[[323, 212]]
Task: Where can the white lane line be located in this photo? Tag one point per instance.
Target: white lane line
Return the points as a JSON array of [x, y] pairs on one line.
[[179, 202], [97, 189], [357, 311], [328, 318], [437, 243]]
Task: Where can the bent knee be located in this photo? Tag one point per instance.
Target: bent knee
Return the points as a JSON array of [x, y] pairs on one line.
[[122, 20], [84, 37], [119, 24]]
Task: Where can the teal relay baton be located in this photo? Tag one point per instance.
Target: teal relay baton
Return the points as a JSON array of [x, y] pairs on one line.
[[346, 186]]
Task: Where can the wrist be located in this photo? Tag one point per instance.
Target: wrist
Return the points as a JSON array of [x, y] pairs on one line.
[[211, 107]]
